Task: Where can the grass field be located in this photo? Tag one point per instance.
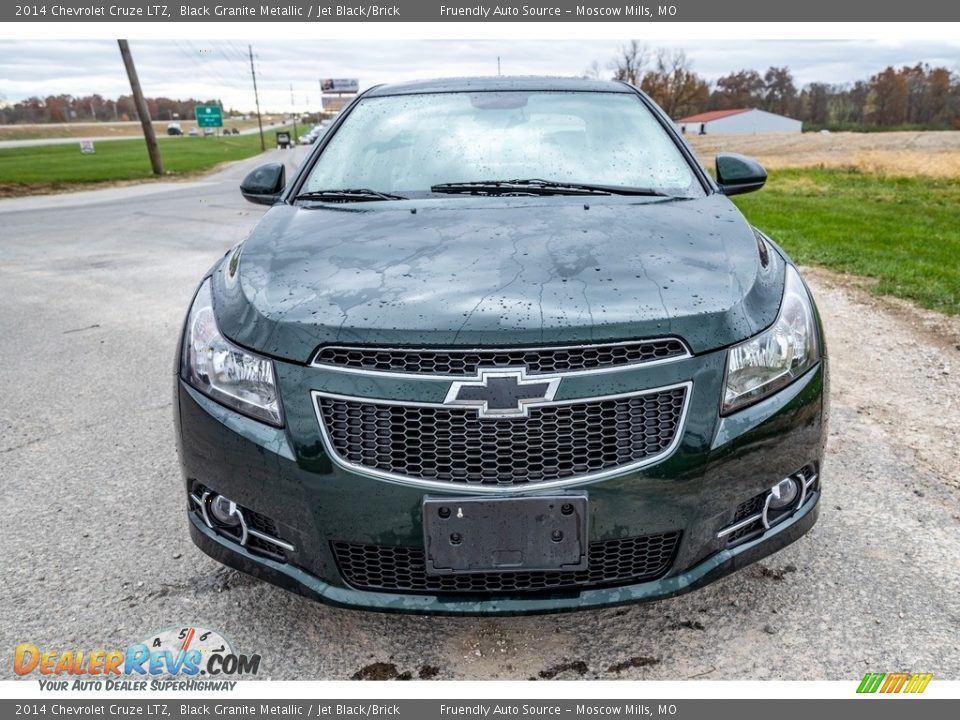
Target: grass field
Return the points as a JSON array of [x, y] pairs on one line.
[[51, 167], [902, 232], [109, 129]]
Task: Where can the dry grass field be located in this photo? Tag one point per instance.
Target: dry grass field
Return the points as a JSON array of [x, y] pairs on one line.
[[903, 154]]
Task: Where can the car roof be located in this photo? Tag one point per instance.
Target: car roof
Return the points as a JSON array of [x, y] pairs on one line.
[[498, 83]]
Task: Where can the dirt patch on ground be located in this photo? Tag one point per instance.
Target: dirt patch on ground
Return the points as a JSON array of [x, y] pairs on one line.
[[934, 154], [901, 366]]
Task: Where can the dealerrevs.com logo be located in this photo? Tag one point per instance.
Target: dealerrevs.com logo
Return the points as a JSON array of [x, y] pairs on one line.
[[183, 658]]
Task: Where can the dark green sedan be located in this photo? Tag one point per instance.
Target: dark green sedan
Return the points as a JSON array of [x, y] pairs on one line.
[[501, 346]]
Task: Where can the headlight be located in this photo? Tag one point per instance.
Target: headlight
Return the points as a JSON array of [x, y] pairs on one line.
[[773, 359], [229, 374]]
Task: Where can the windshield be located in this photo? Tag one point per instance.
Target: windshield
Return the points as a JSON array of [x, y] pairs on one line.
[[406, 144]]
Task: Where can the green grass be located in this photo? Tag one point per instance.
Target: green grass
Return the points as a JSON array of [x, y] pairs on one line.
[[81, 130], [902, 232], [53, 166]]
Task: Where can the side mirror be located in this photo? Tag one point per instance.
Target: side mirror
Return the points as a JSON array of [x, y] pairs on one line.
[[737, 174], [264, 185]]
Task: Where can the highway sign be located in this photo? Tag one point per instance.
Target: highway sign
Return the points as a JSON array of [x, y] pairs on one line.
[[209, 116]]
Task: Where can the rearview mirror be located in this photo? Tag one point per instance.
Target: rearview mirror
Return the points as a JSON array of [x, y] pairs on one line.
[[737, 174], [264, 185]]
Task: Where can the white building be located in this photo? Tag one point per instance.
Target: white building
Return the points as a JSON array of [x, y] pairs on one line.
[[742, 121]]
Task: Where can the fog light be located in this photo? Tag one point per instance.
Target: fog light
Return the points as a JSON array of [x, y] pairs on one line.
[[224, 511], [784, 494]]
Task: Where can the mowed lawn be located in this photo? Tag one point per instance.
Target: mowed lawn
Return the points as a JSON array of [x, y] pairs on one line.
[[56, 166], [902, 232]]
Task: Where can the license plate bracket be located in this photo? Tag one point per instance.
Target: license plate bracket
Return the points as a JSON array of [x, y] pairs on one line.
[[474, 535]]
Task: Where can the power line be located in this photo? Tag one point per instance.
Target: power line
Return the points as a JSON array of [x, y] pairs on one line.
[[230, 66], [209, 68], [193, 56], [231, 62], [238, 51]]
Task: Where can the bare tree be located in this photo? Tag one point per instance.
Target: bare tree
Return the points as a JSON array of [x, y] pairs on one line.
[[889, 98], [741, 89], [814, 104], [780, 94], [940, 110], [674, 85], [630, 63], [594, 71]]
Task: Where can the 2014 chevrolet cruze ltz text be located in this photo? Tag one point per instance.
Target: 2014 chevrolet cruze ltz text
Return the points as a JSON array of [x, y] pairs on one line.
[[500, 346]]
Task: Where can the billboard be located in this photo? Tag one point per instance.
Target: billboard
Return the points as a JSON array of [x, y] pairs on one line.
[[339, 85], [334, 103]]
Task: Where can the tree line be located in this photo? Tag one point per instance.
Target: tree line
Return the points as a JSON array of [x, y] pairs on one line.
[[93, 108], [917, 96]]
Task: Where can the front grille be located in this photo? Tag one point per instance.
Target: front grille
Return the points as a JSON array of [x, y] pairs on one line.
[[455, 362], [402, 569], [456, 445]]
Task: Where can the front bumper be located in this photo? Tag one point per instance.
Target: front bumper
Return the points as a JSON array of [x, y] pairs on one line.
[[720, 463], [303, 583]]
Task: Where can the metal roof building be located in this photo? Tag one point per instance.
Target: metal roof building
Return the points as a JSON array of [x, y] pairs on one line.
[[740, 121]]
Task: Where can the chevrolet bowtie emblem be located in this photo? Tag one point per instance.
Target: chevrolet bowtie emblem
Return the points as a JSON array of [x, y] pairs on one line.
[[502, 392]]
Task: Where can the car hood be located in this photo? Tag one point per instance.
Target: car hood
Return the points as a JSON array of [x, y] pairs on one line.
[[482, 272]]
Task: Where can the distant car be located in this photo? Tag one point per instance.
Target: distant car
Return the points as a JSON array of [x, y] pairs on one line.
[[207, 132], [234, 131], [314, 134], [192, 132], [174, 129]]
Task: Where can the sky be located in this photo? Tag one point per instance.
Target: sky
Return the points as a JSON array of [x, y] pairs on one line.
[[221, 69]]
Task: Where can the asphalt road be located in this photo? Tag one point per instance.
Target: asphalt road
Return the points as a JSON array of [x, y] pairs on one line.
[[96, 552]]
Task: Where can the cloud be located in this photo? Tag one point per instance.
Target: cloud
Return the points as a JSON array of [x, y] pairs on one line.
[[221, 68]]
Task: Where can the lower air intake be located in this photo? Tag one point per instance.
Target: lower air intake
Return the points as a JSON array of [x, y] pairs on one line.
[[623, 561]]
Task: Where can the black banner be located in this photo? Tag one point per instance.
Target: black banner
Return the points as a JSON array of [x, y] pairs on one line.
[[467, 11], [210, 708]]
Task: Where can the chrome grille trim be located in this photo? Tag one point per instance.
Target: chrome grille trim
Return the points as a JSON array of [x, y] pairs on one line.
[[463, 487], [405, 374]]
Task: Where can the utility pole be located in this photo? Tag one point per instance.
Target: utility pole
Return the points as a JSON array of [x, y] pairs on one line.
[[498, 65], [148, 134], [253, 74]]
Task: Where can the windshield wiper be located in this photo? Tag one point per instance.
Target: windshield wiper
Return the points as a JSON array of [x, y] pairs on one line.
[[536, 186], [347, 195]]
